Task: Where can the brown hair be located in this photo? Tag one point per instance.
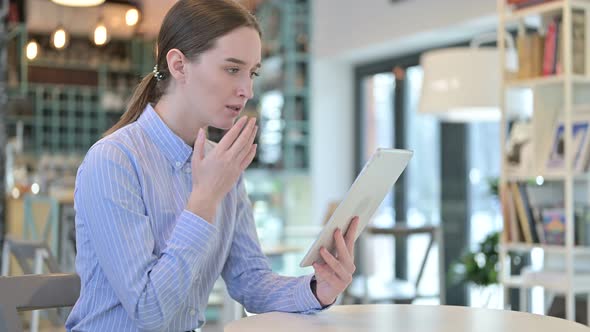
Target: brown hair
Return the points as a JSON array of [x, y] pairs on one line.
[[192, 27]]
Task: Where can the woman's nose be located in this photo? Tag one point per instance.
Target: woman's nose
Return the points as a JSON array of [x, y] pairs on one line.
[[247, 89]]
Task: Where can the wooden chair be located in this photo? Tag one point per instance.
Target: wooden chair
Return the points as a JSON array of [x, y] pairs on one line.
[[34, 292]]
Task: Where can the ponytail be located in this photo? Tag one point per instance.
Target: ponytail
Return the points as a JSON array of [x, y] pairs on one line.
[[144, 93]]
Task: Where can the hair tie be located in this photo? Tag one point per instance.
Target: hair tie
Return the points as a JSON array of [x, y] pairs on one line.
[[157, 74]]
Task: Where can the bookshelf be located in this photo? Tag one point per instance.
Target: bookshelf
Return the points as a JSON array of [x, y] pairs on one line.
[[63, 101], [557, 96]]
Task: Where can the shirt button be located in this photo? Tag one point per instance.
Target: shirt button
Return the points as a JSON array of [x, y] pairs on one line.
[[178, 163], [193, 312]]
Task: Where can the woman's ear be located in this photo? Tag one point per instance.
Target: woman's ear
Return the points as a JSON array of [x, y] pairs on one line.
[[176, 64]]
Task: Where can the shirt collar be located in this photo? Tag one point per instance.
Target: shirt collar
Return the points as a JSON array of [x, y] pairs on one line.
[[172, 146]]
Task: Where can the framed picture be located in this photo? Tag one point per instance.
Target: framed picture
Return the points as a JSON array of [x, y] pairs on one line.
[[519, 148], [581, 143]]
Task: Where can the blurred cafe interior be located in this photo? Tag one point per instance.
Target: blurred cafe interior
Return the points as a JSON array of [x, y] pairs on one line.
[[481, 217]]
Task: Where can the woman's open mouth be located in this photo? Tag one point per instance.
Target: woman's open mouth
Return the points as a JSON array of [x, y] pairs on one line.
[[234, 108]]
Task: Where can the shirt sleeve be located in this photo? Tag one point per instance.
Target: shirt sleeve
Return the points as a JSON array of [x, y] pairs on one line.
[[248, 275], [109, 203]]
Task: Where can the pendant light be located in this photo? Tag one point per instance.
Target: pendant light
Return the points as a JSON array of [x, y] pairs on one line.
[[101, 34], [132, 17], [60, 38], [462, 84], [79, 3], [32, 49]]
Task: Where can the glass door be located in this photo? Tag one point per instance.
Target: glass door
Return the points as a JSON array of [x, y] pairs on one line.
[[377, 130]]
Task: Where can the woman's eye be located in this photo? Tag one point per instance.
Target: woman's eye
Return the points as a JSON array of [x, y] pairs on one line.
[[233, 70], [254, 74]]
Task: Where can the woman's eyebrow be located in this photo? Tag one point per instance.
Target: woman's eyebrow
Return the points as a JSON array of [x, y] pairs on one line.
[[240, 62]]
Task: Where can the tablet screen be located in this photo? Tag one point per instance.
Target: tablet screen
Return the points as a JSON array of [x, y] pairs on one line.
[[362, 199]]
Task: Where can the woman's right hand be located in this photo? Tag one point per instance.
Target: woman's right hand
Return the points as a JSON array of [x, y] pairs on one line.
[[216, 173]]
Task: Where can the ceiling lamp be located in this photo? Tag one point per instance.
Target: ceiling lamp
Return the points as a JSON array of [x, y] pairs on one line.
[[60, 38], [79, 3], [462, 84], [132, 17], [101, 35], [32, 50]]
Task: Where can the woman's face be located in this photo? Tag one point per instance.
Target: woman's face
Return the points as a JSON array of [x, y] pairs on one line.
[[219, 82]]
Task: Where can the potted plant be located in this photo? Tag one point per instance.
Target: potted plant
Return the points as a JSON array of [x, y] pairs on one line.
[[478, 267]]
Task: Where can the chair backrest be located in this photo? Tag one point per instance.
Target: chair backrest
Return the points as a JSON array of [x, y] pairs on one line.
[[45, 208], [25, 252], [33, 292]]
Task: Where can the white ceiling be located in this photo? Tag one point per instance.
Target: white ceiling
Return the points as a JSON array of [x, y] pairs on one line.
[[44, 16]]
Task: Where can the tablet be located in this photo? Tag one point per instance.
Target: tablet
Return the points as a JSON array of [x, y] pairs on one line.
[[363, 198]]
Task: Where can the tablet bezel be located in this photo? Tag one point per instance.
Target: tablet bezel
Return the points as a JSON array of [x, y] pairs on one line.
[[368, 176]]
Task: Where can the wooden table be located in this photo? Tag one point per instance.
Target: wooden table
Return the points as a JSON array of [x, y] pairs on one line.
[[404, 318]]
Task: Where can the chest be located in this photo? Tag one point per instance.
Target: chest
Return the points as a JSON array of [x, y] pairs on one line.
[[166, 193]]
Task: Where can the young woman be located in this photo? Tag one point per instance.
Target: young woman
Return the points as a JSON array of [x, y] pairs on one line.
[[161, 212]]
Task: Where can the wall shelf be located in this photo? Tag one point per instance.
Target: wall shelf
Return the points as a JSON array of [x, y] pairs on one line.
[[550, 8], [546, 81], [526, 247], [559, 98], [555, 282]]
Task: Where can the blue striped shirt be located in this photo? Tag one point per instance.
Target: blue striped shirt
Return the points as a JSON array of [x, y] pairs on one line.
[[146, 263]]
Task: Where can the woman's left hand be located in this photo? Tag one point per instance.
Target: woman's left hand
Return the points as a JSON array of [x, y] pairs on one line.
[[333, 276]]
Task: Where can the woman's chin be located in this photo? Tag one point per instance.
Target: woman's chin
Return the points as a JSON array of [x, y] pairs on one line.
[[224, 125]]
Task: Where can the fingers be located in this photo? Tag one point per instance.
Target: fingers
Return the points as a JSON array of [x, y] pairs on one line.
[[323, 271], [199, 147], [228, 139], [242, 140], [336, 266], [244, 152], [344, 255], [351, 235], [249, 157]]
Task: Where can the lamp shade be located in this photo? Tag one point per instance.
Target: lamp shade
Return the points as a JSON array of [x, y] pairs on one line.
[[462, 84], [79, 3]]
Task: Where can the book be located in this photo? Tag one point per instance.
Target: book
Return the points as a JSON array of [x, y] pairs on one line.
[[503, 192], [530, 55], [538, 217], [524, 48], [536, 55], [553, 45], [550, 50], [578, 42], [528, 209], [523, 212], [554, 226]]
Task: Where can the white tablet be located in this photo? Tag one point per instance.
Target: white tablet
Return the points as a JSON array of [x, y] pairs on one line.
[[363, 198]]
